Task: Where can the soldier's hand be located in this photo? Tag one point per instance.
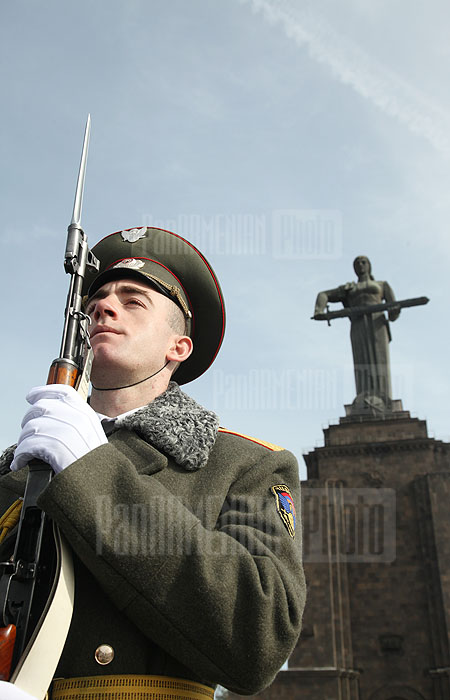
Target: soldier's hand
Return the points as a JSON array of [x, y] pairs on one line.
[[59, 428], [8, 691]]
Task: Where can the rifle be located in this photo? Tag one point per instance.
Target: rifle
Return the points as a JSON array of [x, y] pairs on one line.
[[369, 309], [36, 579]]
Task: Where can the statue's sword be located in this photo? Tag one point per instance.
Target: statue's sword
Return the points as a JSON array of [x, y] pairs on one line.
[[369, 309]]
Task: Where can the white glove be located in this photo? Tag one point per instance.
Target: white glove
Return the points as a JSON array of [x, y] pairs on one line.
[[59, 428], [8, 691]]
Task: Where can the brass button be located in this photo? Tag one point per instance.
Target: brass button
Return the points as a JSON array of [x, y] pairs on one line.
[[104, 654]]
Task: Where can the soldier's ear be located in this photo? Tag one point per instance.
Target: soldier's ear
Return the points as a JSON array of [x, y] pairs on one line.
[[180, 349]]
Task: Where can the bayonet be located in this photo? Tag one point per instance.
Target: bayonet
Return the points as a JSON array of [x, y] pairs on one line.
[[78, 202], [75, 234]]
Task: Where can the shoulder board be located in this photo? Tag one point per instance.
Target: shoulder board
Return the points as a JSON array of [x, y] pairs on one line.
[[269, 445]]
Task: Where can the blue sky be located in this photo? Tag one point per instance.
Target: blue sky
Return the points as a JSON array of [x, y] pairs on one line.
[[284, 138]]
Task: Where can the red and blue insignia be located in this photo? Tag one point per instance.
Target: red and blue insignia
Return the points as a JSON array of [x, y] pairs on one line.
[[285, 507]]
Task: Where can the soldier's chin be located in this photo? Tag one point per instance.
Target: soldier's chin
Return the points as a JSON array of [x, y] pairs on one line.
[[104, 374], [107, 355]]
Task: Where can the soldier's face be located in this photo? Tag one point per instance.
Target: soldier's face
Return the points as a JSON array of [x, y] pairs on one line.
[[130, 332]]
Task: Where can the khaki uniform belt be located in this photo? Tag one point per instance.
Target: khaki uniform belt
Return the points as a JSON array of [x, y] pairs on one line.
[[129, 687]]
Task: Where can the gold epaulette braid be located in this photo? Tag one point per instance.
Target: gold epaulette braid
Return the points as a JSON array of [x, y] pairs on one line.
[[257, 441], [129, 687], [10, 518]]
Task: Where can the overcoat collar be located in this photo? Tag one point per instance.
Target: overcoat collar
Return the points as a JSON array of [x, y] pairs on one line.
[[177, 425]]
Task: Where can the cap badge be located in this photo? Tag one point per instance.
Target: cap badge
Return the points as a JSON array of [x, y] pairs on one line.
[[285, 507], [130, 264], [134, 234]]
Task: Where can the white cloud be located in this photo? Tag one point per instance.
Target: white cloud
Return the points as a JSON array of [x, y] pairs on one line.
[[366, 75]]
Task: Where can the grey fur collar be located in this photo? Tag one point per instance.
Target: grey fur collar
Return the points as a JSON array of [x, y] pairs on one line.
[[177, 425], [173, 423], [6, 458]]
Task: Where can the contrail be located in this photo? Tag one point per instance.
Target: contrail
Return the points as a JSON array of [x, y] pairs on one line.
[[367, 76]]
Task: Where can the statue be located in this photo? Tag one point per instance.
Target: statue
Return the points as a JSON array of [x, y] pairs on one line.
[[365, 302]]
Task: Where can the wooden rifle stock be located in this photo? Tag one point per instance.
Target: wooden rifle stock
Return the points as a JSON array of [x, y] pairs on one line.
[[7, 641], [63, 372]]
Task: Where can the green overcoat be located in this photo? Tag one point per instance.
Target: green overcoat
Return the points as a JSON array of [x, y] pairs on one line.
[[185, 573]]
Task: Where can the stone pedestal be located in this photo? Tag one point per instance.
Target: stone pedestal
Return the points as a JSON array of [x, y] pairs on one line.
[[376, 519]]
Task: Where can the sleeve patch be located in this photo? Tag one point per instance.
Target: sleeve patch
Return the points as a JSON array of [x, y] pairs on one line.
[[285, 507], [269, 445]]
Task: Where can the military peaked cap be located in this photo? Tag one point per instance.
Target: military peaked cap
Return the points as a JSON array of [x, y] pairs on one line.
[[174, 267]]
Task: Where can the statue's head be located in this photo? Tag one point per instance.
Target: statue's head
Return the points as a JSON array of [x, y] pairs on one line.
[[362, 266]]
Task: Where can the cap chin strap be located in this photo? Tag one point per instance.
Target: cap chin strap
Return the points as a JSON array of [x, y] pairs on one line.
[[116, 388]]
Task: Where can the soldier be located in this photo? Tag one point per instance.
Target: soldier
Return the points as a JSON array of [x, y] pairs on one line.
[[187, 560]]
